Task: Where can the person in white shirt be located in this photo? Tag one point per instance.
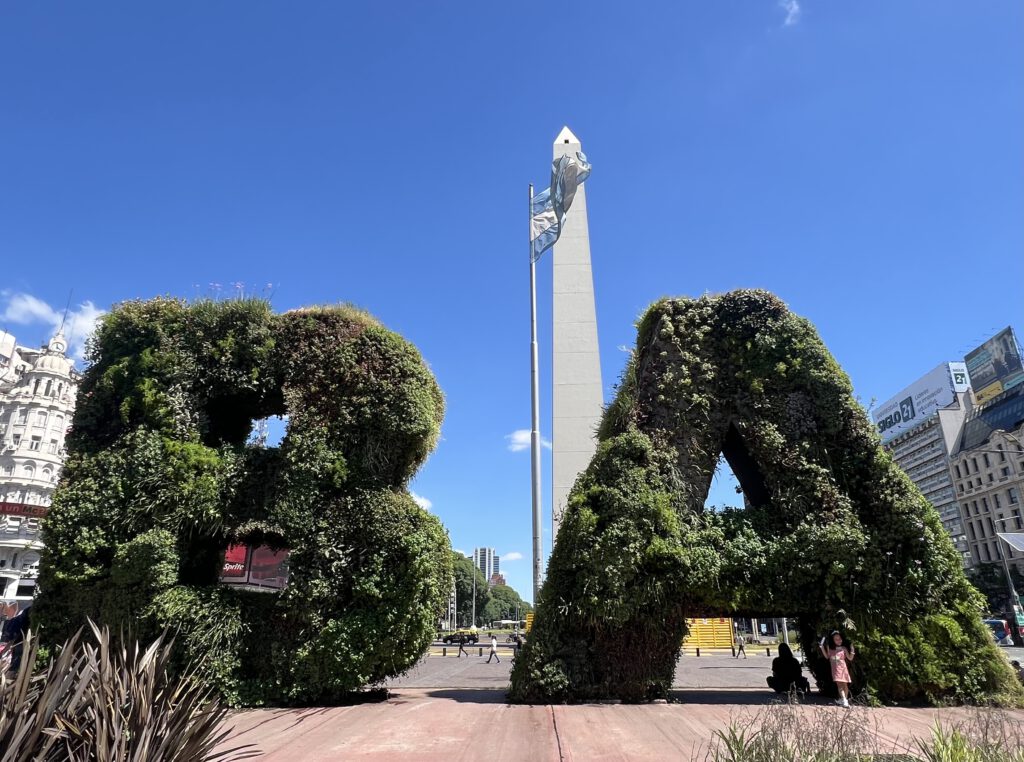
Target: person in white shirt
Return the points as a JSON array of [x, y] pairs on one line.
[[494, 650]]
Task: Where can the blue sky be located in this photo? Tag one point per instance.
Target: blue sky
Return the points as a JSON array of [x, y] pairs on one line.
[[863, 160]]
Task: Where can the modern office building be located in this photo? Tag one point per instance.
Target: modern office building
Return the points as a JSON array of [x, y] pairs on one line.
[[487, 561], [921, 426], [37, 401], [988, 468]]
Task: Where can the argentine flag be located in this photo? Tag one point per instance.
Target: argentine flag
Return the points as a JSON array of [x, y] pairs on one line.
[[548, 207]]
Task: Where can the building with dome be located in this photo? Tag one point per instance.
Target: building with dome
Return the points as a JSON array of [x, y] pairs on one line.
[[37, 401]]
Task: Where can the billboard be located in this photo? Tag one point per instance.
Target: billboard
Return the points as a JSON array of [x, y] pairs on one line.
[[995, 366], [255, 567], [934, 390], [23, 509]]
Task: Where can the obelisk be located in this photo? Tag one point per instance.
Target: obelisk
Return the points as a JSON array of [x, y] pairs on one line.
[[577, 396]]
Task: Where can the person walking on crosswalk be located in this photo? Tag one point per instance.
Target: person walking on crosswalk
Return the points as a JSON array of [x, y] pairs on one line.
[[494, 649], [462, 647]]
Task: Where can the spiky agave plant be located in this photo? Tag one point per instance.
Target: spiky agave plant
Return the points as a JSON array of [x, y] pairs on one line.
[[102, 700]]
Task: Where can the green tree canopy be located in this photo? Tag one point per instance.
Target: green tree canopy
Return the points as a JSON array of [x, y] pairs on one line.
[[464, 574]]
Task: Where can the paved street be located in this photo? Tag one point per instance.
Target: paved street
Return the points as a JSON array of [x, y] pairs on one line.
[[710, 670], [707, 671]]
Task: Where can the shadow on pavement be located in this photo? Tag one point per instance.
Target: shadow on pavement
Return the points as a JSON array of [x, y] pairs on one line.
[[461, 695], [744, 697]]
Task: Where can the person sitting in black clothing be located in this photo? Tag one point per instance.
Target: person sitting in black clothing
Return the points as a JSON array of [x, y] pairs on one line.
[[787, 673]]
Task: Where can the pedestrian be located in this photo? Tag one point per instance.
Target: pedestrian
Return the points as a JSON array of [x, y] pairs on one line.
[[462, 647], [494, 649], [839, 656], [13, 635], [739, 646], [787, 674], [1018, 669]]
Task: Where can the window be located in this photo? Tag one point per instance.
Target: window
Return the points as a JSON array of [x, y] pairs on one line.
[[974, 505], [974, 462], [49, 388], [988, 556], [36, 443], [58, 422], [1011, 494], [998, 502], [990, 477], [960, 488], [16, 439], [1002, 455], [30, 471], [1004, 471], [985, 460], [48, 474], [22, 416], [41, 418], [957, 469], [977, 481], [981, 530], [984, 504], [973, 535]]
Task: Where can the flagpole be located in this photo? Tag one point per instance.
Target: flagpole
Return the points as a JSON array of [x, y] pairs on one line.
[[535, 420]]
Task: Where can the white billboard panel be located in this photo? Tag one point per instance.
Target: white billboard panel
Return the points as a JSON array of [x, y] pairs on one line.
[[921, 399]]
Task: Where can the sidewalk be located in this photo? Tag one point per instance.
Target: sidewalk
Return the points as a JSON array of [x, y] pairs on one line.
[[446, 724]]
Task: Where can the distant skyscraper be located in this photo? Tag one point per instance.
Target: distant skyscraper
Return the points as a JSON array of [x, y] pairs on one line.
[[577, 395], [487, 561]]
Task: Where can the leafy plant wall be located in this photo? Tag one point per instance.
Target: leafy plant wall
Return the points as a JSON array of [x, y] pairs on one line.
[[161, 477], [834, 533]]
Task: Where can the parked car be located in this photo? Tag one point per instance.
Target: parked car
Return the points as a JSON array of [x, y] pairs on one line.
[[1000, 631], [453, 637]]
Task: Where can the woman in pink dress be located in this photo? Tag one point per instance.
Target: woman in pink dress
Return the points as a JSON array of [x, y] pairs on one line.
[[838, 656]]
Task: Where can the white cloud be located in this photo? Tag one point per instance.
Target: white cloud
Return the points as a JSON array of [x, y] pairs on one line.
[[792, 9], [25, 309], [513, 556], [422, 502], [519, 440]]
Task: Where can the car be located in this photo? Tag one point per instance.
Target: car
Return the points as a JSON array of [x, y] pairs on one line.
[[453, 637], [1000, 631]]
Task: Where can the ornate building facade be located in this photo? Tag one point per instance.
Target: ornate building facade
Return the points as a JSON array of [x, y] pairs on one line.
[[37, 401]]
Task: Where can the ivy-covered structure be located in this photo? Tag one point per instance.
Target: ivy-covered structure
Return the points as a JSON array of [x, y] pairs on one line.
[[162, 478], [833, 531]]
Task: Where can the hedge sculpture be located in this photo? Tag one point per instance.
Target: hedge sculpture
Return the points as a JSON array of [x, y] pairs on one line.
[[161, 478], [833, 531]]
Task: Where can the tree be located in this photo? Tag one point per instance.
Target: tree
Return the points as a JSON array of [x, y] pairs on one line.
[[464, 573], [505, 603]]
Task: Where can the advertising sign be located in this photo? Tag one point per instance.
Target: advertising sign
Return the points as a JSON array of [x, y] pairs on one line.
[[23, 509], [258, 567], [921, 399], [995, 366]]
